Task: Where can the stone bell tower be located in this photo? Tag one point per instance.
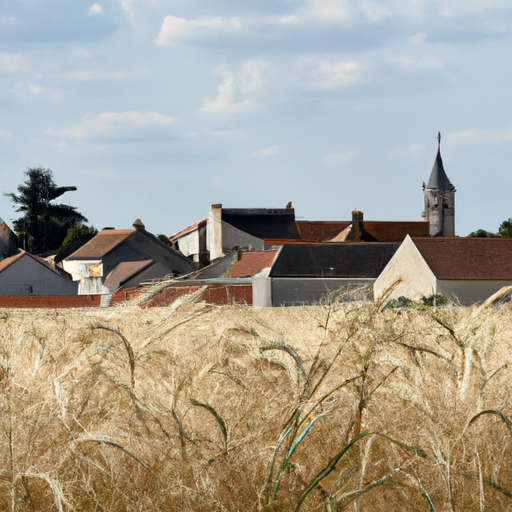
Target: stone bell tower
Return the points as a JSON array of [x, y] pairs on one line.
[[439, 196]]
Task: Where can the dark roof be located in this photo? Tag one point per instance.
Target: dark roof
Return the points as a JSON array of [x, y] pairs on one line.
[[124, 271], [354, 260], [104, 242], [467, 258], [216, 269], [251, 263], [263, 222], [320, 231], [438, 178]]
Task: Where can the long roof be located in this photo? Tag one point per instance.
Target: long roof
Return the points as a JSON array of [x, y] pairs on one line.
[[467, 258], [251, 263], [342, 260], [104, 242], [389, 230]]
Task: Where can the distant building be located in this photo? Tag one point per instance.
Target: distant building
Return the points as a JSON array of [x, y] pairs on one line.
[[439, 194], [26, 274], [466, 269], [115, 259]]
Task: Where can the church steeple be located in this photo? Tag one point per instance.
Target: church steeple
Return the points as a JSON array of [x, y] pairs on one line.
[[439, 199], [438, 178]]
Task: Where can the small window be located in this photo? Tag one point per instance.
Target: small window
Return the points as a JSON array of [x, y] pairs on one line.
[[28, 289]]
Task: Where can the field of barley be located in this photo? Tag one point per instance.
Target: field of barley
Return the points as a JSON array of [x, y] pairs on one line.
[[200, 408]]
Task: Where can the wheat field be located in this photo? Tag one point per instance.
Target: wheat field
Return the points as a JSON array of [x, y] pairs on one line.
[[195, 408]]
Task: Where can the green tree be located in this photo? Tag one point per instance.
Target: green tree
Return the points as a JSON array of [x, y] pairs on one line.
[[77, 236], [44, 223], [505, 229]]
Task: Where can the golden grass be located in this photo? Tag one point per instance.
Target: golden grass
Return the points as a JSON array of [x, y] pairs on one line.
[[193, 408]]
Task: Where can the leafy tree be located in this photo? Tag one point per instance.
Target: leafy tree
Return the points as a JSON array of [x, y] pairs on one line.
[[481, 233], [77, 236], [505, 229], [44, 223]]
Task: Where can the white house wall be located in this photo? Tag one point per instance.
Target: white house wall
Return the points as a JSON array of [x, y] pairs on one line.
[[189, 244], [469, 292], [408, 272]]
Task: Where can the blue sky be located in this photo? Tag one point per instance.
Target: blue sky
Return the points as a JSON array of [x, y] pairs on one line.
[[155, 109]]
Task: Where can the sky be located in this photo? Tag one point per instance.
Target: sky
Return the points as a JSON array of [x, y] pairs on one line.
[[155, 109]]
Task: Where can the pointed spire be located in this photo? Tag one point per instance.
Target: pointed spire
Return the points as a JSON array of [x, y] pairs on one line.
[[438, 178]]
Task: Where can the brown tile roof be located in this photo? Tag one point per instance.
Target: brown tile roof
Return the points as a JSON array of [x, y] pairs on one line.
[[320, 231], [188, 229], [251, 263], [467, 258], [9, 261], [101, 244], [389, 230], [6, 262]]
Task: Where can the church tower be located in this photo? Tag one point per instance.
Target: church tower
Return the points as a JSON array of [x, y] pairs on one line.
[[439, 199]]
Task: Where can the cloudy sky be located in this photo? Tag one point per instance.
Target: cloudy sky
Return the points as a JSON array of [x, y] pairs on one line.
[[158, 108]]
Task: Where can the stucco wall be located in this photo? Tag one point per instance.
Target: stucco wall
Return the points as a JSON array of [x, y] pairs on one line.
[[408, 272], [469, 292], [297, 291], [27, 276]]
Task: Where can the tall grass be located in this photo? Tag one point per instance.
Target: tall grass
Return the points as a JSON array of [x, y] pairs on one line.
[[193, 408]]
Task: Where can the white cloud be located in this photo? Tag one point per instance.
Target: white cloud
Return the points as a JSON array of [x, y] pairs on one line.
[[237, 92], [327, 10], [176, 30], [10, 61], [411, 64], [87, 75], [329, 73], [29, 93], [332, 159], [272, 150], [120, 127], [479, 137], [95, 9], [79, 53], [416, 149]]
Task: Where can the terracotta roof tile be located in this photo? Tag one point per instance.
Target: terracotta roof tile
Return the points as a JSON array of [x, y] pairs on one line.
[[467, 258], [101, 244], [389, 231], [188, 229], [320, 231], [251, 263]]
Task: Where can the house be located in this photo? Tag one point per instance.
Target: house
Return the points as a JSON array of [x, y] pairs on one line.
[[115, 259], [26, 274], [8, 241], [225, 229], [466, 269], [308, 273]]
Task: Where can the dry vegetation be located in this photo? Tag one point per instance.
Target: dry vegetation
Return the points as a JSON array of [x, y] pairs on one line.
[[194, 408]]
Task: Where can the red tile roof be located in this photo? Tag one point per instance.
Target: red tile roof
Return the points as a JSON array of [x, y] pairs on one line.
[[467, 258], [251, 263], [101, 244], [188, 229], [320, 231], [389, 230]]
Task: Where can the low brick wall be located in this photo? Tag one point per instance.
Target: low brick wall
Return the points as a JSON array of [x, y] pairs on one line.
[[218, 294], [49, 301]]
